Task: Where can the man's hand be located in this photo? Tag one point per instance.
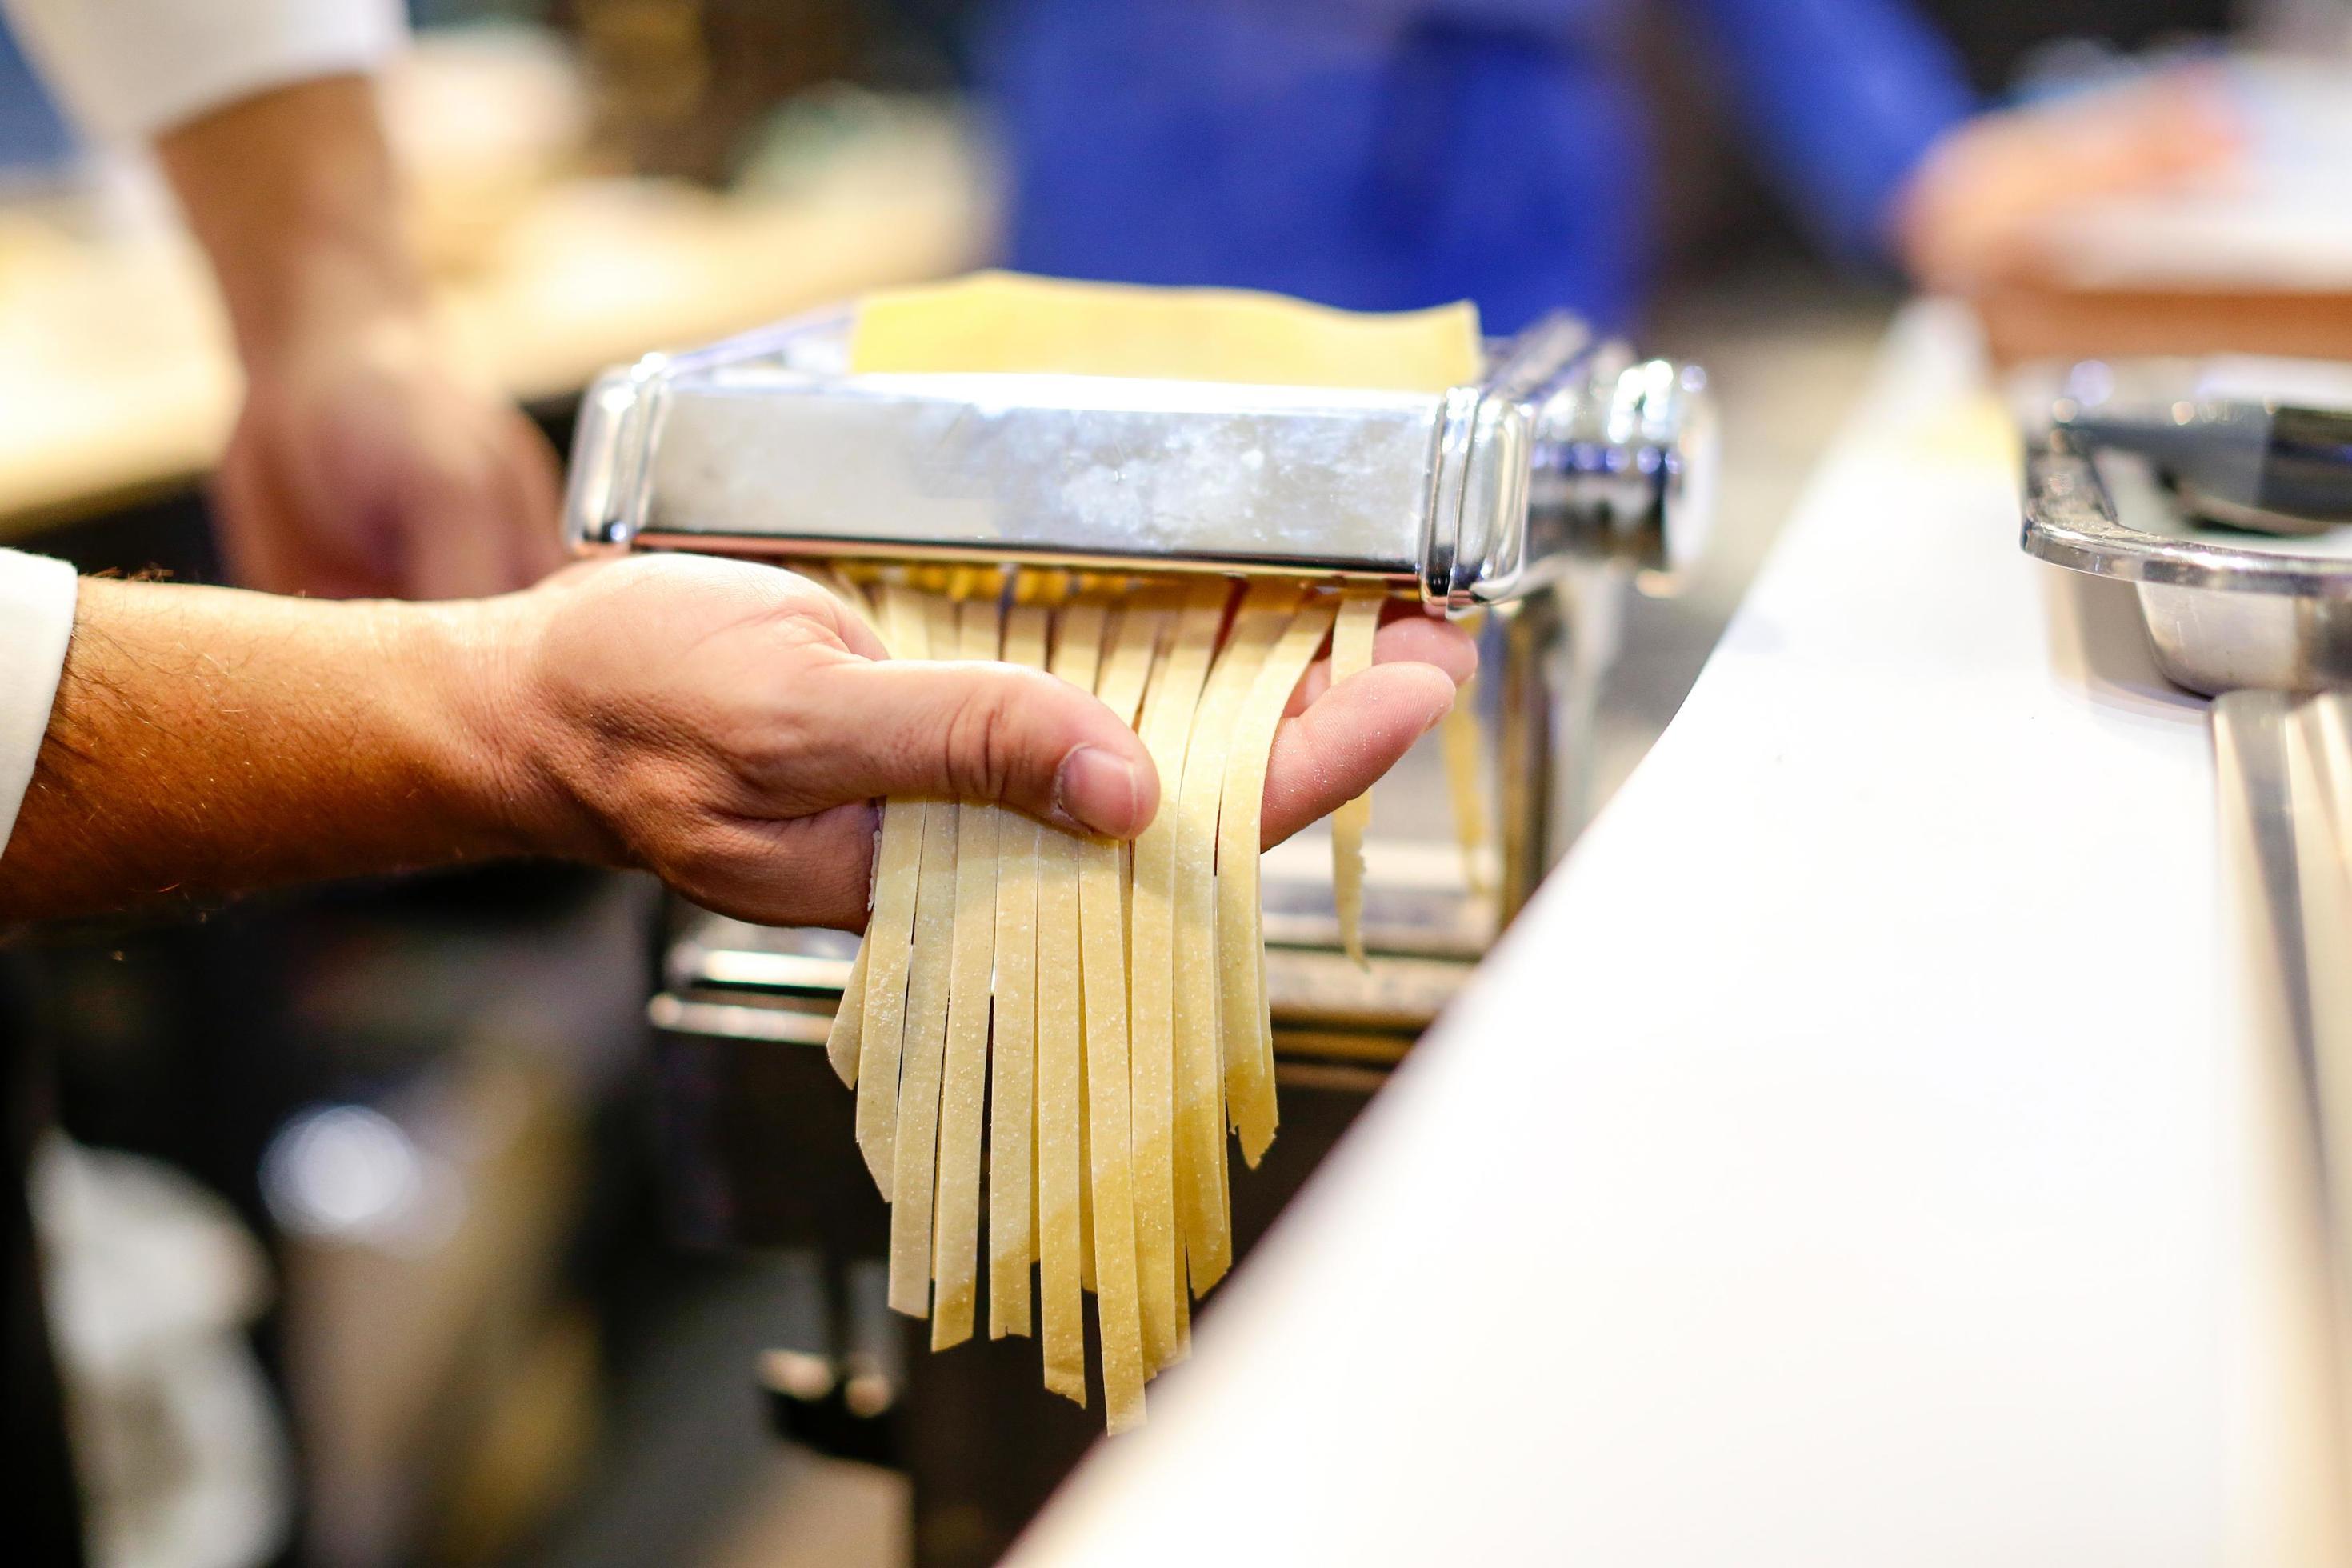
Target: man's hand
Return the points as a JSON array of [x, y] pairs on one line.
[[361, 466], [363, 463], [1975, 213], [726, 726]]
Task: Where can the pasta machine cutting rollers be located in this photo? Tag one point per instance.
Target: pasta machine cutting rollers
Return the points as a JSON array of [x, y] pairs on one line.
[[1571, 470]]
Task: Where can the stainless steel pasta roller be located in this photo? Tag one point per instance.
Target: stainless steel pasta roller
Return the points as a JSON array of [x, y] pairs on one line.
[[1570, 466], [1571, 447]]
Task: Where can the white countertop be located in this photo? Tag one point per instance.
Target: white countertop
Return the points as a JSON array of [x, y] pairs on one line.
[[1853, 1155]]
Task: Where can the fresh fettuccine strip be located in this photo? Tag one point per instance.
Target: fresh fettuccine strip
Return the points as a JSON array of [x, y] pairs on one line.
[[1201, 1200], [1458, 739], [889, 929], [1241, 948], [955, 1259], [1012, 1106], [1351, 654], [844, 1040], [1175, 693], [1062, 1301], [921, 1057], [1103, 978]]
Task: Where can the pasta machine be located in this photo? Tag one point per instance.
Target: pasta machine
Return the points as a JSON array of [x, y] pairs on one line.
[[1533, 498]]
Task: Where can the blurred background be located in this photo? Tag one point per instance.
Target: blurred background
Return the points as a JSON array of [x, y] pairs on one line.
[[373, 1243]]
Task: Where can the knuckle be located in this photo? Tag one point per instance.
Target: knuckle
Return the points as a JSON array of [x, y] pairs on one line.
[[979, 737]]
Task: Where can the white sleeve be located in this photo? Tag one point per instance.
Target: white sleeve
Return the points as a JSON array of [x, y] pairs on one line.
[[130, 68], [36, 613]]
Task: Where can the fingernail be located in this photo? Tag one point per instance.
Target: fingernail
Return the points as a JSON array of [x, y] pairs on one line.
[[1099, 792]]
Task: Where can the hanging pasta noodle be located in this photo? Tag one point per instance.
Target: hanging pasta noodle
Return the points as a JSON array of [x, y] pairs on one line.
[[1351, 654], [1458, 738], [843, 1042], [1102, 874], [1166, 730], [1060, 1035], [1011, 1103], [955, 1255], [921, 1059], [890, 929], [1240, 951], [1200, 1153]]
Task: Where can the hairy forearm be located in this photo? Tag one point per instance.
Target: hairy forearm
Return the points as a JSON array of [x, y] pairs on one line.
[[293, 195], [205, 741]]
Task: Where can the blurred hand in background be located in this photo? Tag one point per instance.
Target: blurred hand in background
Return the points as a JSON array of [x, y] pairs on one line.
[[1977, 209], [365, 461]]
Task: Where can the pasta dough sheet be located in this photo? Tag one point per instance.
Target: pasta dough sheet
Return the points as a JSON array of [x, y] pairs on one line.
[[1005, 322]]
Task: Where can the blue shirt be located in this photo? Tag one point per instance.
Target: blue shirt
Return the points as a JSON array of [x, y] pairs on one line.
[[1386, 154]]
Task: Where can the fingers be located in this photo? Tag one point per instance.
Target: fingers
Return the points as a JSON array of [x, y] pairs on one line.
[[1975, 212], [1407, 636], [264, 543], [1341, 745], [809, 870], [981, 731]]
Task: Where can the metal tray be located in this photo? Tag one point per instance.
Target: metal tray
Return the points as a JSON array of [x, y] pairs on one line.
[[2226, 609]]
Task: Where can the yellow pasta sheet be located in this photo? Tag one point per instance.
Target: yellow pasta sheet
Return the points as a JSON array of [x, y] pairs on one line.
[[1006, 321]]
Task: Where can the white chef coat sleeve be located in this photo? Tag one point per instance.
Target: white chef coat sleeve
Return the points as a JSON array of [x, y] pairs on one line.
[[36, 613], [130, 68]]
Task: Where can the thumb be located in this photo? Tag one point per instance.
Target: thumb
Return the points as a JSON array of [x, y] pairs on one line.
[[975, 730]]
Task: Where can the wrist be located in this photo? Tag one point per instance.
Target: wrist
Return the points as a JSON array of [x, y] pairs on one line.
[[472, 727], [501, 749], [294, 198], [324, 304]]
